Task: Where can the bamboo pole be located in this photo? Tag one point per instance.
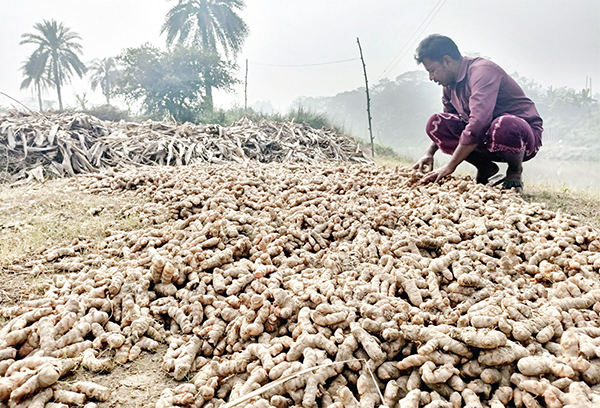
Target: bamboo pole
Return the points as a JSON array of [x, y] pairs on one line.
[[368, 98]]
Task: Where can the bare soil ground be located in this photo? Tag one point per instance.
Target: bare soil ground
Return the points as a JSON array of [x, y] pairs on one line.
[[135, 384]]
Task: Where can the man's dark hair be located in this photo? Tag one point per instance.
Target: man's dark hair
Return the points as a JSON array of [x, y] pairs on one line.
[[435, 47]]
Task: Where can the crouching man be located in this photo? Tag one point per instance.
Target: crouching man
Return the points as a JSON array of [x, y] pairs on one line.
[[487, 118]]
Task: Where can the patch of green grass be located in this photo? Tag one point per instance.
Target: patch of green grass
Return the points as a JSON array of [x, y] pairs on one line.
[[299, 115], [3, 321]]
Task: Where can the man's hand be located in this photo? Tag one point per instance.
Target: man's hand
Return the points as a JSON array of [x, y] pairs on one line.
[[438, 175], [424, 164], [461, 153]]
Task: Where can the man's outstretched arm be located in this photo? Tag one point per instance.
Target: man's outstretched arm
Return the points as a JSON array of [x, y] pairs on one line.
[[460, 154]]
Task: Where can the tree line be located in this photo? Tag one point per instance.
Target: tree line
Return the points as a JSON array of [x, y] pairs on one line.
[[203, 38]]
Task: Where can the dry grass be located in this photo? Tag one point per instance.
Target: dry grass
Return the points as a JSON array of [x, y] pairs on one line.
[[585, 204], [32, 216], [35, 216]]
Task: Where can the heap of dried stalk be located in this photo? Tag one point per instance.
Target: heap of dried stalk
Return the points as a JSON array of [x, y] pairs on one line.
[[49, 145], [290, 285]]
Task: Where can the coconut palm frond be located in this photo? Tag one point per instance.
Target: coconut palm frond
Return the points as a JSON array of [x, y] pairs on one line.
[[57, 53]]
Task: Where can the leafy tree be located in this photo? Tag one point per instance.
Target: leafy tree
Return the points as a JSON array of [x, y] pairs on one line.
[[103, 72], [532, 89], [211, 25], [171, 82], [58, 50], [35, 73]]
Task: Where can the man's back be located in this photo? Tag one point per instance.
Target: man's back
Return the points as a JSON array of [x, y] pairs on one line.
[[483, 91]]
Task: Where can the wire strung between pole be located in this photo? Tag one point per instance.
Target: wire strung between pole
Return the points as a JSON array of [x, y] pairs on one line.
[[304, 65], [418, 31], [408, 42]]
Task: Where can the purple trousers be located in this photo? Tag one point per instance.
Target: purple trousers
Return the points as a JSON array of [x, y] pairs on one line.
[[506, 134]]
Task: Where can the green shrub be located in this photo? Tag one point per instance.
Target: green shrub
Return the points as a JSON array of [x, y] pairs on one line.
[[109, 112], [298, 115]]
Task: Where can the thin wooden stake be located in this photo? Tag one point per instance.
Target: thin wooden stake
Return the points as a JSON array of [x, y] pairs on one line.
[[246, 89], [368, 98]]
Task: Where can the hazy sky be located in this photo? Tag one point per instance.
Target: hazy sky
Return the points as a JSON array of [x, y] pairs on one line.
[[554, 42]]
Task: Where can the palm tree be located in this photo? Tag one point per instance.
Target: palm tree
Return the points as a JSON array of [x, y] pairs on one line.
[[103, 73], [34, 70], [212, 25], [58, 47]]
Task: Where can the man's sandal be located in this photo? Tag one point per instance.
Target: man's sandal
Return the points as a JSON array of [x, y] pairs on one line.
[[517, 185]]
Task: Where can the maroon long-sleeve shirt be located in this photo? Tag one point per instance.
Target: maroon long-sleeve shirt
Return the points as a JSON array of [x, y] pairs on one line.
[[482, 92]]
